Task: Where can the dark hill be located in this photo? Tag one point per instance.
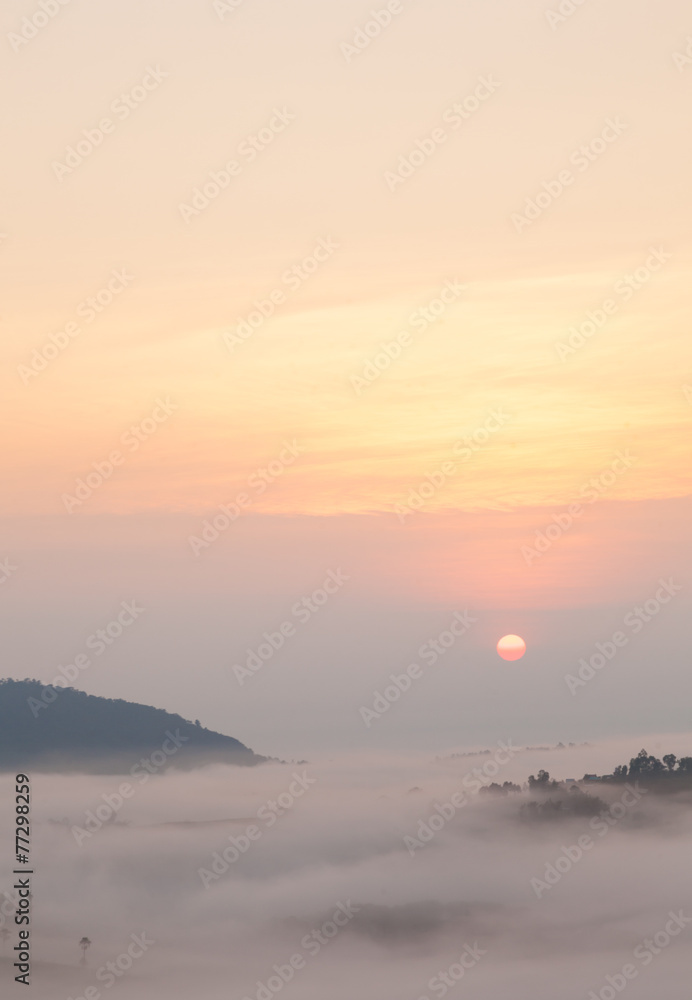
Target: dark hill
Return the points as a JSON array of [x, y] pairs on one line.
[[80, 732]]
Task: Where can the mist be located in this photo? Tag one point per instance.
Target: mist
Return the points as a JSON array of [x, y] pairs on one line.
[[374, 874]]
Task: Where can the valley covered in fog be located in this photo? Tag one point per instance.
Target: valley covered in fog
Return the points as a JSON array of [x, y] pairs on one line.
[[387, 878]]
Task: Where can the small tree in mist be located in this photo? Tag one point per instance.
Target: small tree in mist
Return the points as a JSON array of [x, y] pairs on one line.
[[542, 783], [496, 789], [645, 764], [84, 944]]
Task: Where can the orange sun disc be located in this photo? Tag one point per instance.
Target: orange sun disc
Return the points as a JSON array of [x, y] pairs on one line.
[[511, 647]]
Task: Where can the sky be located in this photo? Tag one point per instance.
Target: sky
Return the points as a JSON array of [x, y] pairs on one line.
[[383, 305]]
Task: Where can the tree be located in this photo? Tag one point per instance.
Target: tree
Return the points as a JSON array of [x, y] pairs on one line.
[[651, 769], [645, 764], [542, 783], [84, 944], [504, 789]]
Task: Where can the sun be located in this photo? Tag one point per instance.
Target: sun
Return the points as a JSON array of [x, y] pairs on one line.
[[511, 647]]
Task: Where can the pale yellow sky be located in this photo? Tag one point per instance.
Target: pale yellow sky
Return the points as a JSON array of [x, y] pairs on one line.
[[199, 87]]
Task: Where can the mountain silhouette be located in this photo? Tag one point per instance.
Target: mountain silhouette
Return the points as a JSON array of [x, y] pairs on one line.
[[50, 729]]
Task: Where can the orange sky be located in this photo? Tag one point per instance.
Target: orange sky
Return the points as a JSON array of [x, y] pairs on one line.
[[618, 234], [420, 316]]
